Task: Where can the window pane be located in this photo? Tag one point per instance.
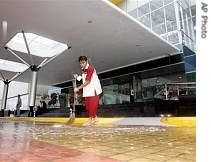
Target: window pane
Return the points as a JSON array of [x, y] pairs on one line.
[[168, 1], [144, 9], [160, 29], [170, 18], [145, 20], [155, 4], [173, 37], [133, 13], [157, 17], [193, 10]]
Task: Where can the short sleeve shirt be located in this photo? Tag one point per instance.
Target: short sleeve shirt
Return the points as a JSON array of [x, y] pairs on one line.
[[89, 71]]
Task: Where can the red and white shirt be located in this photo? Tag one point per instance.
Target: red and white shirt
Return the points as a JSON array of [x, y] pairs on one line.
[[89, 73]]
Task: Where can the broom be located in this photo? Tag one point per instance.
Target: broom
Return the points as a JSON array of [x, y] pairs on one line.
[[72, 115]]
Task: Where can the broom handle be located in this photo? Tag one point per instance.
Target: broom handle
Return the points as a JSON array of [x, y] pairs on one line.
[[74, 101]]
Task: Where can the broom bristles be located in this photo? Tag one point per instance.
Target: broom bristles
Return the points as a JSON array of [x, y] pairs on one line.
[[72, 116], [71, 119]]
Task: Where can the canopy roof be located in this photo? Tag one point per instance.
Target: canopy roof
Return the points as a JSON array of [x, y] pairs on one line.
[[95, 28]]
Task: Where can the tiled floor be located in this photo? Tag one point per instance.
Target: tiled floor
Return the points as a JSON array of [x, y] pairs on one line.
[[24, 141]]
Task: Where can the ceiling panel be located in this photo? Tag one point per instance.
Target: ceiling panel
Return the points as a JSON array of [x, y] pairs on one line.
[[113, 39]]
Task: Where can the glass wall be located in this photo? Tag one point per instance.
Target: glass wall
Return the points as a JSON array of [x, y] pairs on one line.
[[145, 88], [146, 80], [186, 20], [173, 20], [61, 100], [11, 102], [116, 90]]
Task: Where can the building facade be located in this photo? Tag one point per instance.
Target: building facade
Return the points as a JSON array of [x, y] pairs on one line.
[[172, 20]]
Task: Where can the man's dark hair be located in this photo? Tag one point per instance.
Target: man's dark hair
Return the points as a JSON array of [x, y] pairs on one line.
[[82, 58]]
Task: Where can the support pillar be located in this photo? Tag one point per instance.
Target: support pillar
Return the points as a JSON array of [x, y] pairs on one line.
[[33, 90], [4, 97]]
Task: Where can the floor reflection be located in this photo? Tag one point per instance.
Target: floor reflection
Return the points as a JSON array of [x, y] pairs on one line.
[[28, 141]]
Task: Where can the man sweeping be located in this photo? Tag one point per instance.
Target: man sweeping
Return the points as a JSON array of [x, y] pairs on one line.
[[91, 89]]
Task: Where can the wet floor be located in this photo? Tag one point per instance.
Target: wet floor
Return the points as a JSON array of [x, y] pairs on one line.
[[23, 141]]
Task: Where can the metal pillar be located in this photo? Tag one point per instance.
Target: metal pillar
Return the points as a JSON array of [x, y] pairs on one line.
[[33, 89], [35, 69], [4, 97]]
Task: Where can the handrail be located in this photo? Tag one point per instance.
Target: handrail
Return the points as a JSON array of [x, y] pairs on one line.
[[175, 89]]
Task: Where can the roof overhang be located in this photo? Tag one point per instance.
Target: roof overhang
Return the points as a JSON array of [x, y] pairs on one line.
[[95, 28]]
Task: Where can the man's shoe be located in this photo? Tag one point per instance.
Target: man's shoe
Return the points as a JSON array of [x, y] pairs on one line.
[[95, 120], [88, 123]]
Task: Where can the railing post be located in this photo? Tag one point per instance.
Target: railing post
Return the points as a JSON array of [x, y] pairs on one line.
[[166, 91], [178, 90]]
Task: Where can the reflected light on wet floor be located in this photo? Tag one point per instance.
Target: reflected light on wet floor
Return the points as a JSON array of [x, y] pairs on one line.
[[35, 141]]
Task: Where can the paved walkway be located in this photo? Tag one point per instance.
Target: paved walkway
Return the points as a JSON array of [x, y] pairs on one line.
[[154, 121], [112, 140]]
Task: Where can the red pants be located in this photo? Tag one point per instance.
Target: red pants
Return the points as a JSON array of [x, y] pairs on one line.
[[91, 104]]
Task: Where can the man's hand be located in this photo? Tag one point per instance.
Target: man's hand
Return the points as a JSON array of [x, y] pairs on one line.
[[75, 76], [76, 89]]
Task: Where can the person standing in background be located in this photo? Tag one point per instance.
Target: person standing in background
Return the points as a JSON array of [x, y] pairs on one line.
[[18, 105], [131, 95], [91, 89], [42, 107]]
